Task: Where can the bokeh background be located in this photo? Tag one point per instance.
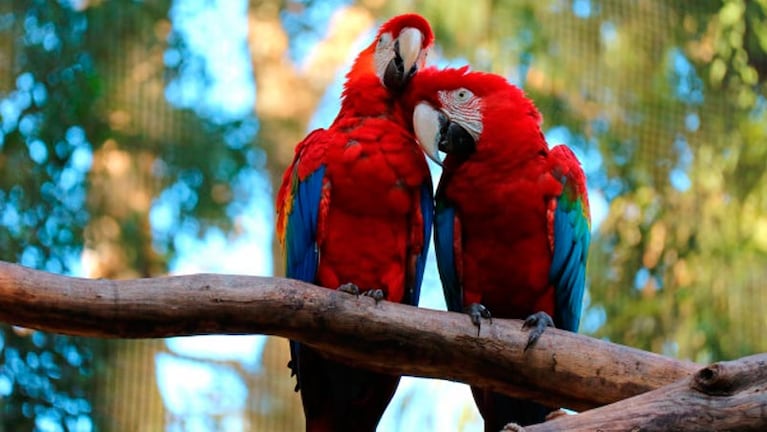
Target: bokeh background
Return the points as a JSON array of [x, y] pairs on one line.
[[140, 138]]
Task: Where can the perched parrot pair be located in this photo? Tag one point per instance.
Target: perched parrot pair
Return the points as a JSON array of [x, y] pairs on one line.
[[355, 212]]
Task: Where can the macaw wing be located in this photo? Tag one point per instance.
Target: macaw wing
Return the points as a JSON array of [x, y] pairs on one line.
[[447, 247], [571, 233], [298, 204], [426, 211]]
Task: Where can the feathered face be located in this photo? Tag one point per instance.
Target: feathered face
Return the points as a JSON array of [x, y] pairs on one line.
[[455, 108], [400, 49]]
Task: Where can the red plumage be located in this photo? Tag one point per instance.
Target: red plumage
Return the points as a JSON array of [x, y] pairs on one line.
[[351, 210], [503, 207], [512, 228], [374, 172]]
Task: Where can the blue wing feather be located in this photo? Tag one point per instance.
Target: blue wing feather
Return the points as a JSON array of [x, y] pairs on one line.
[[427, 213], [444, 225], [301, 231], [572, 236], [301, 251]]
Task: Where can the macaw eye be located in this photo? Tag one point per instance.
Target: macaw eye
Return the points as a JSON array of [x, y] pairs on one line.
[[384, 39], [462, 95]]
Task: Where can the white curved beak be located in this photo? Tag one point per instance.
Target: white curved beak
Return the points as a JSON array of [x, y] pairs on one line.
[[410, 41], [426, 123]]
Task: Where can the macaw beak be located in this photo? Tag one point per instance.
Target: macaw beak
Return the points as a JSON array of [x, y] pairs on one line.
[[428, 124], [435, 132], [407, 52]]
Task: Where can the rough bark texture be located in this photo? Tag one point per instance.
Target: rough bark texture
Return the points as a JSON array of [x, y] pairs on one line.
[[563, 369], [725, 396]]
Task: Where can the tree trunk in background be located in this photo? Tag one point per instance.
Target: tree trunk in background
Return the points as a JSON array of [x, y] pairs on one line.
[[119, 247], [287, 95], [118, 242], [129, 399]]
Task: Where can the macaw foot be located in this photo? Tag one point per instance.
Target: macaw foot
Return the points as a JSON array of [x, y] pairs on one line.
[[376, 294], [353, 289], [349, 288], [477, 311], [513, 427], [537, 322]]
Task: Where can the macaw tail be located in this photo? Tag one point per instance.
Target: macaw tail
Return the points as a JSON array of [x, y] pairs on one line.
[[338, 397]]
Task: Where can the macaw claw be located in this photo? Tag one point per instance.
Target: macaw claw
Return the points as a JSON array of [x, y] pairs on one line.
[[376, 294], [477, 311], [353, 289], [349, 288], [537, 322]]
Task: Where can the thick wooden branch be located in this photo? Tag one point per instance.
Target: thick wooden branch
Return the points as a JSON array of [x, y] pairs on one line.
[[729, 396], [563, 369]]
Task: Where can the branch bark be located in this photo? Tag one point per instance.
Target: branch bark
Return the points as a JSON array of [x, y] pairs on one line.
[[729, 396], [563, 369]]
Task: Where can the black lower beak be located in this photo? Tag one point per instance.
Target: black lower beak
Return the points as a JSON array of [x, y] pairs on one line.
[[454, 139], [395, 75]]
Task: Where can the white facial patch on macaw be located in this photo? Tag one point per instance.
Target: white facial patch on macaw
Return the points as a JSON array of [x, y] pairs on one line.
[[463, 107], [404, 54], [384, 53]]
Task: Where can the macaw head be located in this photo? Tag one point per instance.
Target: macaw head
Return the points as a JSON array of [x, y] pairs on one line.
[[473, 115], [397, 53]]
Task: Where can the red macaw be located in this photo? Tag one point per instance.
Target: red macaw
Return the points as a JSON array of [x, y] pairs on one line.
[[512, 224], [355, 212]]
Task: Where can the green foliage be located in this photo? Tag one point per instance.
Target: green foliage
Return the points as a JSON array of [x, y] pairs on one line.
[[45, 381], [73, 104], [42, 195], [45, 378], [677, 268]]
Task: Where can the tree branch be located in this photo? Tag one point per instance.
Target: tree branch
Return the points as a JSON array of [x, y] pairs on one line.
[[563, 369], [728, 396]]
